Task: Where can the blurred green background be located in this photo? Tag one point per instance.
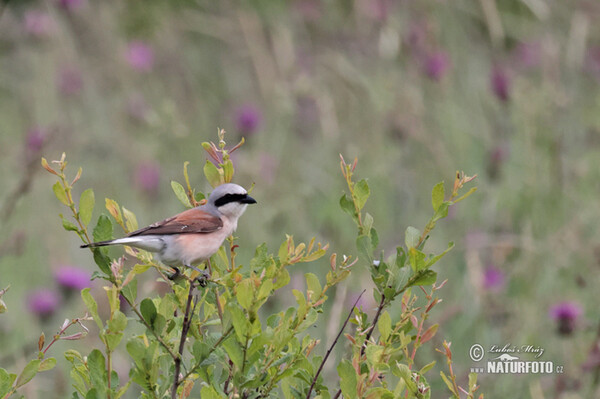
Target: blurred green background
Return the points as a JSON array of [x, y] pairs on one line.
[[508, 90]]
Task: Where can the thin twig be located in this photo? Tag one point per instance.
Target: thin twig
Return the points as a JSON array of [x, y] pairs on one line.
[[187, 321], [149, 327], [332, 345], [214, 347], [373, 324]]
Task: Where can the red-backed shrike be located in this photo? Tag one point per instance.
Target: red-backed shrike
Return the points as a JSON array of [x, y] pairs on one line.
[[194, 235]]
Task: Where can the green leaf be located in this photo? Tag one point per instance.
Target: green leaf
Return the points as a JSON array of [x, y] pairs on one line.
[[241, 324], [6, 381], [137, 350], [472, 381], [448, 383], [97, 366], [430, 262], [245, 293], [28, 372], [92, 306], [180, 194], [103, 230], [228, 171], [67, 225], [426, 277], [72, 354], [348, 206], [441, 212], [462, 197], [208, 392], [437, 196], [86, 206], [347, 379], [60, 193], [412, 237], [361, 193], [313, 284], [130, 220], [212, 174], [102, 261], [384, 325], [111, 339], [130, 291], [417, 259], [402, 371], [118, 322], [234, 351], [47, 364], [364, 244], [113, 208], [427, 367], [148, 310]]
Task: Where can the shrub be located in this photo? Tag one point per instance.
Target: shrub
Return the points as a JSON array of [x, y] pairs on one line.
[[220, 341]]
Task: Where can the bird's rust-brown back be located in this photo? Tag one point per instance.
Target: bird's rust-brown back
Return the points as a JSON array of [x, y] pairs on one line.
[[190, 221]]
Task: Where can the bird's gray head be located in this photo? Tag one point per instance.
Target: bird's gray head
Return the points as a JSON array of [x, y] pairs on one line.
[[230, 199]]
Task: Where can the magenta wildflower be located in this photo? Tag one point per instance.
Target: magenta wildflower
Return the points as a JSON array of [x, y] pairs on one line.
[[70, 5], [527, 55], [248, 119], [436, 65], [592, 62], [147, 177], [500, 83], [140, 56], [72, 278], [493, 279], [35, 140], [137, 108], [37, 23], [565, 314], [43, 303], [70, 81]]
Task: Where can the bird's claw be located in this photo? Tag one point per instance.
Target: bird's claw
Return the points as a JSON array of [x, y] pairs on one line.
[[175, 275], [203, 278]]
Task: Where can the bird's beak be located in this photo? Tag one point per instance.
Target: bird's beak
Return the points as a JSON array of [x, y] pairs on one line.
[[248, 200]]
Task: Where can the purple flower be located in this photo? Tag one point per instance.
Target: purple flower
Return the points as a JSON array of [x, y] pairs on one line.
[[36, 137], [565, 314], [137, 108], [140, 56], [248, 118], [43, 303], [147, 177], [70, 5], [310, 10], [268, 166], [496, 157], [72, 278], [436, 65], [500, 83], [527, 55], [37, 23], [70, 81], [377, 10], [592, 62], [493, 279], [366, 302]]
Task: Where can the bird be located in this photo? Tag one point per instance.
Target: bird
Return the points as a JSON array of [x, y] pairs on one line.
[[191, 236]]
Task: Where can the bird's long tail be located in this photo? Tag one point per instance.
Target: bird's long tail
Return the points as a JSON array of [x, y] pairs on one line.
[[147, 243]]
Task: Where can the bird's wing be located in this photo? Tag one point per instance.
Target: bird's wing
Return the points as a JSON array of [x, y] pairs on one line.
[[190, 221]]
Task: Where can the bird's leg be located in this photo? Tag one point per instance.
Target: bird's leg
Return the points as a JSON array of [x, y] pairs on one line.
[[175, 275], [204, 276]]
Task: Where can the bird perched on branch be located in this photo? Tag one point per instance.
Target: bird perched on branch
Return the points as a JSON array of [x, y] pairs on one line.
[[193, 235]]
